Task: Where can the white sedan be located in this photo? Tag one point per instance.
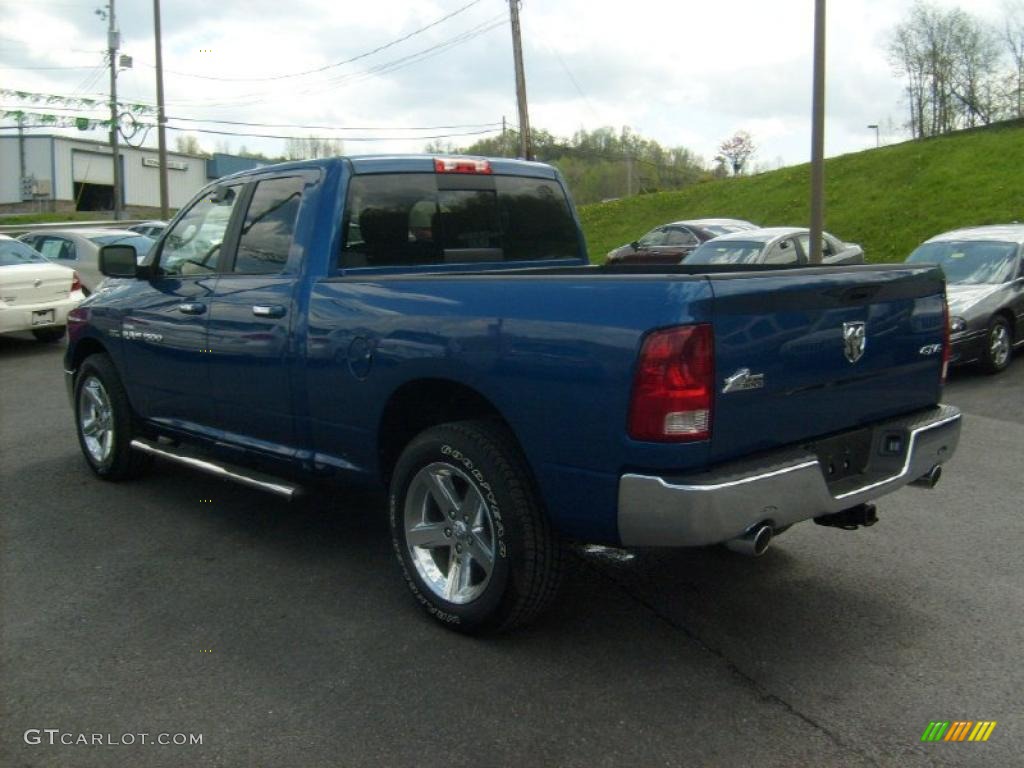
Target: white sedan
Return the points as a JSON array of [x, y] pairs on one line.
[[35, 295]]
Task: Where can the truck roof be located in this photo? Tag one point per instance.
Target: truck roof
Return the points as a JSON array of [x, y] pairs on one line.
[[405, 164]]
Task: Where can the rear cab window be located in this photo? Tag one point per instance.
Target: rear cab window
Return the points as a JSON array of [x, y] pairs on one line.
[[424, 219]]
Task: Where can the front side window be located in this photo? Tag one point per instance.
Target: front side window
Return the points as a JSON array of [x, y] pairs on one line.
[[12, 253], [680, 237], [193, 244], [269, 224], [653, 238], [415, 219]]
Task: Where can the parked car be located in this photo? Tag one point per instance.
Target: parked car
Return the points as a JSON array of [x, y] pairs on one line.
[[984, 270], [151, 229], [774, 245], [35, 295], [670, 243], [459, 350], [79, 249]]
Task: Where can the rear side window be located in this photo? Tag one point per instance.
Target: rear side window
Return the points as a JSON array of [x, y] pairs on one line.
[[269, 224], [417, 219]]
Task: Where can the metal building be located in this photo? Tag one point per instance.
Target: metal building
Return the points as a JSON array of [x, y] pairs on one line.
[[61, 173]]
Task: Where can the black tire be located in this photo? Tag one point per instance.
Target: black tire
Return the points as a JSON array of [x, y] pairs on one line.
[[527, 554], [50, 335], [992, 361], [121, 462]]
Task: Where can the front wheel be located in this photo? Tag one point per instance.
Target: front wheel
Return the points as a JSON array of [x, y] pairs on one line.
[[998, 346], [105, 422], [473, 542]]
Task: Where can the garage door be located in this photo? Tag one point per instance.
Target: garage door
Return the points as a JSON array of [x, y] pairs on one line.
[[92, 167]]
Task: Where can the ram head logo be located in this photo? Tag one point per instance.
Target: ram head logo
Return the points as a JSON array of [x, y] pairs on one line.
[[854, 340]]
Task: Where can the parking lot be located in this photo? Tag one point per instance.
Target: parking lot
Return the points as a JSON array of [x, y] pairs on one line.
[[285, 636]]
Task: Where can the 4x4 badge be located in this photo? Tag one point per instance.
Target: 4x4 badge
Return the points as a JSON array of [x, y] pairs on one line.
[[854, 340]]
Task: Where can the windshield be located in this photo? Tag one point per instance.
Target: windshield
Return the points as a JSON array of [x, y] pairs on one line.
[[970, 262], [141, 243], [728, 252], [13, 252]]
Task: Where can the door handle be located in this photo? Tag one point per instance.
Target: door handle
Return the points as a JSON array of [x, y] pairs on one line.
[[263, 310], [192, 308]]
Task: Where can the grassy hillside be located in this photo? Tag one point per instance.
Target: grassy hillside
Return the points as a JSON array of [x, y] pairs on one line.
[[889, 199]]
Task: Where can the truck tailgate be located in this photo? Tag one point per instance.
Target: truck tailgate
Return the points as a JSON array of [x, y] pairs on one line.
[[796, 333]]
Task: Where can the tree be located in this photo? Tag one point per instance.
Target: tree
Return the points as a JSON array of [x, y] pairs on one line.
[[311, 148], [188, 144], [1013, 39], [736, 151]]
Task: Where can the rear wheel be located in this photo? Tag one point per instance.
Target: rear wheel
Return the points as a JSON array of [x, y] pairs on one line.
[[473, 542], [49, 335], [105, 422], [998, 346]]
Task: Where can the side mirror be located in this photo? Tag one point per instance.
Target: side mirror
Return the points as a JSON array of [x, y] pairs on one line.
[[635, 244], [118, 260]]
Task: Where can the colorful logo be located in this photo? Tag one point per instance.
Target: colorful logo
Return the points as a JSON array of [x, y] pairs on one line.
[[958, 730]]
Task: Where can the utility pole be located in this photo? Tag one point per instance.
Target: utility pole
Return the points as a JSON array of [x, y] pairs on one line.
[[161, 117], [629, 175], [525, 144], [818, 135], [113, 43]]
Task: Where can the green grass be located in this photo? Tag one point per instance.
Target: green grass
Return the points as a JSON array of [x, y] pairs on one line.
[[889, 200]]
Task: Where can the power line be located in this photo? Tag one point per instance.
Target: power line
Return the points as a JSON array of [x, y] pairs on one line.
[[492, 124], [330, 138], [347, 79], [326, 67]]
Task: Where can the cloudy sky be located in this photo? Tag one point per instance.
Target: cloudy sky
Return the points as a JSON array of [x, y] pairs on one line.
[[683, 73]]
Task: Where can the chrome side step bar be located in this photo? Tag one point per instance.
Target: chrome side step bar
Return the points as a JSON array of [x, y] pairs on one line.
[[249, 477]]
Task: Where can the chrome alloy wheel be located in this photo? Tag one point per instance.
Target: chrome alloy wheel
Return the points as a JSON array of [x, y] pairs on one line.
[[96, 419], [999, 344], [449, 533]]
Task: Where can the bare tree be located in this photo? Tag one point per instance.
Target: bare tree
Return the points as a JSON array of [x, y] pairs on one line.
[[188, 144], [736, 151], [312, 147], [1013, 39]]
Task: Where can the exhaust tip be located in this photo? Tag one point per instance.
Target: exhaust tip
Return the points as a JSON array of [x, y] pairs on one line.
[[931, 479], [754, 542]]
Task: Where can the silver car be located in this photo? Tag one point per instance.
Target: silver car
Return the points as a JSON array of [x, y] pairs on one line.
[[984, 271], [774, 245], [79, 249]]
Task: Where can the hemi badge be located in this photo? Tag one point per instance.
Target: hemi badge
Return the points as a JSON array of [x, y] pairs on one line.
[[743, 380]]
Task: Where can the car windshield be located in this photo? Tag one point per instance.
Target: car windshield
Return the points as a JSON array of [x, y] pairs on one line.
[[728, 252], [141, 243], [969, 262], [13, 252]]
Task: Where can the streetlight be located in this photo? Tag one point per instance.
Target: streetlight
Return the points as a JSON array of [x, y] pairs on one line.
[[878, 139]]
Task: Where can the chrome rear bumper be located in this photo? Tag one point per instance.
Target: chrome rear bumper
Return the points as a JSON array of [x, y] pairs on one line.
[[780, 488]]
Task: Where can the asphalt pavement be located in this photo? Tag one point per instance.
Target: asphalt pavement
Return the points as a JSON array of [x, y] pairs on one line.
[[283, 634]]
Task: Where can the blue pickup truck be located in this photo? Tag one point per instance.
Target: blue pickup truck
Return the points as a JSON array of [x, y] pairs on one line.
[[433, 326]]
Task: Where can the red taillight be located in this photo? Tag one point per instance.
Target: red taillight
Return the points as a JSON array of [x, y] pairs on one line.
[[946, 346], [674, 386], [76, 283], [461, 165]]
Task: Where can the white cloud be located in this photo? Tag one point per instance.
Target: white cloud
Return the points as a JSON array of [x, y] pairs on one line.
[[683, 73]]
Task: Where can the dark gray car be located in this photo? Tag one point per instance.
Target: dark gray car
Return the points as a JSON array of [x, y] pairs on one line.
[[985, 287]]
